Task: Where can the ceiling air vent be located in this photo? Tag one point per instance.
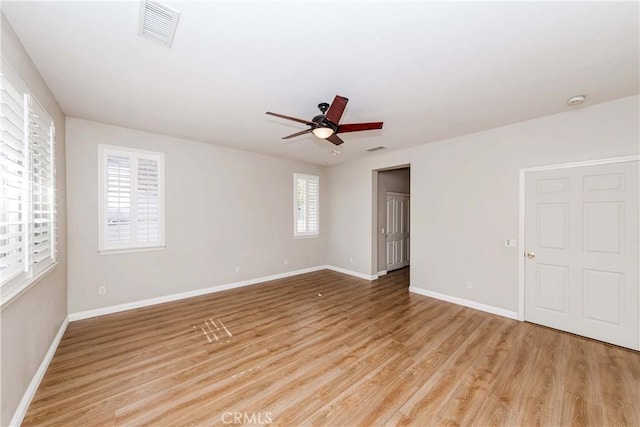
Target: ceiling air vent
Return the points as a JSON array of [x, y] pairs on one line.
[[376, 148], [158, 22]]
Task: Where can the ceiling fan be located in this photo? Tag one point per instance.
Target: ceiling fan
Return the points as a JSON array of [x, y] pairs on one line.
[[327, 125]]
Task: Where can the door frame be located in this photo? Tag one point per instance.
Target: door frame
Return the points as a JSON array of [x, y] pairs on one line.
[[521, 212], [375, 272]]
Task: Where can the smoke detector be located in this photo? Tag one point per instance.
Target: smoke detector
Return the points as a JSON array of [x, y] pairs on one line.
[[576, 100], [157, 22], [335, 152]]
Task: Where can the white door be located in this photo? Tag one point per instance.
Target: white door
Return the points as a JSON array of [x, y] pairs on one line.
[[581, 249], [397, 231]]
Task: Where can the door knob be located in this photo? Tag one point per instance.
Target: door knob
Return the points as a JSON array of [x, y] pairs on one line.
[[531, 255]]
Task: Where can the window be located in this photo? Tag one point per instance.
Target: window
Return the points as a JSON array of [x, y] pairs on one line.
[[306, 205], [27, 186], [131, 199]]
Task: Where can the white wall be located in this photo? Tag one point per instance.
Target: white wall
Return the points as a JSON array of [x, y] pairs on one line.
[[464, 197], [224, 208], [30, 322]]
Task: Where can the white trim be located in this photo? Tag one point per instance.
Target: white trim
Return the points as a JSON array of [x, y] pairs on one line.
[[393, 193], [307, 236], [521, 208], [466, 303], [30, 392], [631, 158], [25, 286], [382, 273], [133, 150], [521, 246], [131, 250], [352, 273], [182, 295]]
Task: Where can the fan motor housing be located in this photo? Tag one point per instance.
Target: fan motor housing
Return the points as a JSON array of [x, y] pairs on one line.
[[323, 123]]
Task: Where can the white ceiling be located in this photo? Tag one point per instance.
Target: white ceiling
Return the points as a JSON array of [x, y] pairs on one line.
[[428, 70]]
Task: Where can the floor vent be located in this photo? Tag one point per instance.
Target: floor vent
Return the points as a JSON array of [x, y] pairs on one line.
[[158, 22], [376, 148]]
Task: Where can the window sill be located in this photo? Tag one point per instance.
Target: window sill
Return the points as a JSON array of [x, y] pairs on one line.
[[24, 287], [310, 236], [130, 250]]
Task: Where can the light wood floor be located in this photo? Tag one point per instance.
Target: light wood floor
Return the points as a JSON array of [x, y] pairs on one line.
[[328, 349]]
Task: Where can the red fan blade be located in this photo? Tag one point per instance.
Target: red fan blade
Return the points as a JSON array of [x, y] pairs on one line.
[[297, 134], [335, 139], [355, 127], [282, 116], [336, 109]]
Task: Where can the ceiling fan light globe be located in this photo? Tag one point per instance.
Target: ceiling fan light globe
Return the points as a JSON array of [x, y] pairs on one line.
[[322, 132]]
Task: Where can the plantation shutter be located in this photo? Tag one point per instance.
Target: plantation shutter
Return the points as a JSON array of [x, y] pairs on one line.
[[312, 206], [301, 205], [41, 147], [118, 203], [131, 204], [14, 191], [306, 205], [27, 185], [147, 201]]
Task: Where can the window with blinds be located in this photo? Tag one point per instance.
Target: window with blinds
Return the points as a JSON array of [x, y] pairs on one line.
[[27, 186], [131, 199], [42, 187], [306, 200]]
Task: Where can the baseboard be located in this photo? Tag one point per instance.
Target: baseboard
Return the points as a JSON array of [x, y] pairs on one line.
[[81, 315], [352, 273], [465, 302], [27, 397], [382, 273]]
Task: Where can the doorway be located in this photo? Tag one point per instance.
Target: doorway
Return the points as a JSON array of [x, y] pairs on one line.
[[392, 213]]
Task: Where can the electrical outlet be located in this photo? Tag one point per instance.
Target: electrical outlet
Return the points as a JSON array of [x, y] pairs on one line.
[[469, 284], [286, 261], [237, 269], [102, 290]]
